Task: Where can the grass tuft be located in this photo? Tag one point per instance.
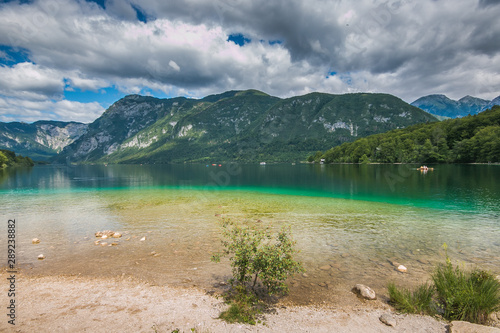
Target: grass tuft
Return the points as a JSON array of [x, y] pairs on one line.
[[419, 301], [469, 296], [456, 294], [244, 307]]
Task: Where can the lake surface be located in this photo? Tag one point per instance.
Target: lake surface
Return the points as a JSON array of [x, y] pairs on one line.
[[352, 223]]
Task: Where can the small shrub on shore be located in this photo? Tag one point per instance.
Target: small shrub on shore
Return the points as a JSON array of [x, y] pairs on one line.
[[256, 255], [419, 301]]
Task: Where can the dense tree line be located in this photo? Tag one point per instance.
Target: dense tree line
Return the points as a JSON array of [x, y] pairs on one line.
[[472, 139], [9, 158]]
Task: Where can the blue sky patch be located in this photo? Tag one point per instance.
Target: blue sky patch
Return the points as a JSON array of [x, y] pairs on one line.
[[332, 73], [12, 55], [99, 2], [238, 39], [141, 15], [105, 96], [272, 42]]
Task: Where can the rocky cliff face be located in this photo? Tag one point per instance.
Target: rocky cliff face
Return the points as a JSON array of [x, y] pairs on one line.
[[40, 140]]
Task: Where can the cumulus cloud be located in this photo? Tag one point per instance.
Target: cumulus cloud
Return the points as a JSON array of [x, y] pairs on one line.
[[15, 109], [407, 48], [28, 80]]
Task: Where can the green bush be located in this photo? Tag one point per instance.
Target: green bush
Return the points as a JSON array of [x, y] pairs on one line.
[[419, 301], [469, 296], [256, 255]]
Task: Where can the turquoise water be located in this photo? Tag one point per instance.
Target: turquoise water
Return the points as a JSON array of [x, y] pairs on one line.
[[357, 219]]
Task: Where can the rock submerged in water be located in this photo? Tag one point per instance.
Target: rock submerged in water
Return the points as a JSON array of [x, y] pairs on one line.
[[365, 291], [105, 234], [402, 269]]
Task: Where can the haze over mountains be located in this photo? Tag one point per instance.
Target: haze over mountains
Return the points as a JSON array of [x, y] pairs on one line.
[[233, 126], [440, 105]]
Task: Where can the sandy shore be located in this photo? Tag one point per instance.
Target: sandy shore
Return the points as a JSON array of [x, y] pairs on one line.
[[78, 304]]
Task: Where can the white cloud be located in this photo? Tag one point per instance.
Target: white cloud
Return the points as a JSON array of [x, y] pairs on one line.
[[15, 109], [27, 80], [407, 48], [174, 65]]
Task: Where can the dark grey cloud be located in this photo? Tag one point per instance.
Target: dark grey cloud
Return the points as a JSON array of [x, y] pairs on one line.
[[408, 48], [487, 3]]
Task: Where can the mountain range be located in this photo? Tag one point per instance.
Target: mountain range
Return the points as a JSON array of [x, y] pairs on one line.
[[440, 105], [247, 126], [40, 140]]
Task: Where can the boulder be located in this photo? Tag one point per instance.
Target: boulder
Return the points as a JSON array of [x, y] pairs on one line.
[[117, 235], [41, 257], [35, 241], [388, 319], [365, 291], [143, 239]]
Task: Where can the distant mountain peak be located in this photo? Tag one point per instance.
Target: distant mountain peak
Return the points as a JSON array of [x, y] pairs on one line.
[[441, 105]]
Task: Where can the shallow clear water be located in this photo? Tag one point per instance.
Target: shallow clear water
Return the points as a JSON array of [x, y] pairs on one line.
[[359, 220]]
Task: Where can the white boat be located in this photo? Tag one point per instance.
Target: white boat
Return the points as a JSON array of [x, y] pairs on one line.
[[262, 163]]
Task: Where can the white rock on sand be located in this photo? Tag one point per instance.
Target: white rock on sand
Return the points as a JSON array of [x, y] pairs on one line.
[[365, 291], [128, 305]]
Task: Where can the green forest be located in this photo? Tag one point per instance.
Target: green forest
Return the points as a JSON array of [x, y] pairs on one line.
[[9, 158], [471, 139]]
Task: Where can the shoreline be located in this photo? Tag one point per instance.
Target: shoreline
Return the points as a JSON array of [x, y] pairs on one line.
[[76, 303], [127, 304]]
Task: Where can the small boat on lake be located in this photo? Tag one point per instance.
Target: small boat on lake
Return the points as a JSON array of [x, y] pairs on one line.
[[425, 168]]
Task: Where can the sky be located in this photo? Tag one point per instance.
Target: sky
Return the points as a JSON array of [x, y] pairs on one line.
[[69, 60]]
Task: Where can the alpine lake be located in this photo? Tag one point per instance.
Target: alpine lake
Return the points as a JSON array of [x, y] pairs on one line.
[[352, 223]]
